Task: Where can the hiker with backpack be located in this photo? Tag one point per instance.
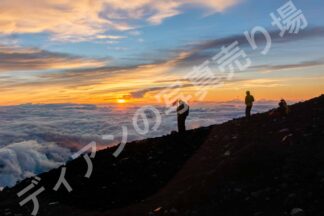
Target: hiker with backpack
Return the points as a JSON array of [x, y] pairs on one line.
[[182, 114], [283, 108]]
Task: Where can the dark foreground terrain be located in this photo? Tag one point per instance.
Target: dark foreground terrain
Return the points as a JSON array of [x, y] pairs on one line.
[[267, 166]]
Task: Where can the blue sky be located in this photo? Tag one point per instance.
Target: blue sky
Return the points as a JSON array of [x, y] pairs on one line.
[[193, 25]]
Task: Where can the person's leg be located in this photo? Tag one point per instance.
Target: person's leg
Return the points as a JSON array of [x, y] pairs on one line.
[[184, 124], [248, 111], [181, 124], [281, 111]]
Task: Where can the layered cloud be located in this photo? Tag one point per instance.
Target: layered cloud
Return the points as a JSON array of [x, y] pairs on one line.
[[87, 19], [86, 80], [36, 138], [26, 59], [301, 65], [85, 85], [203, 50], [24, 159]]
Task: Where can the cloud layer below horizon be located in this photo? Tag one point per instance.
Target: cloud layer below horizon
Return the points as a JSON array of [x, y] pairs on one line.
[[36, 138]]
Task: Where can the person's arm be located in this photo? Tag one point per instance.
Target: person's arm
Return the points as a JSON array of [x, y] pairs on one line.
[[180, 108]]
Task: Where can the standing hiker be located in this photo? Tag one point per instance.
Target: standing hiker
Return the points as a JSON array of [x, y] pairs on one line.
[[283, 108], [182, 113], [249, 99]]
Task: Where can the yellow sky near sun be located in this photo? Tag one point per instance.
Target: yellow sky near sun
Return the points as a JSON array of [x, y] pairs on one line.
[[299, 88]]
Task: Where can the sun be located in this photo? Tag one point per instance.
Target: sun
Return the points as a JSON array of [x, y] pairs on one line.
[[121, 101]]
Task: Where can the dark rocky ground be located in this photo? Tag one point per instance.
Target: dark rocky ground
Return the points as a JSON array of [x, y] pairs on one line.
[[263, 167]]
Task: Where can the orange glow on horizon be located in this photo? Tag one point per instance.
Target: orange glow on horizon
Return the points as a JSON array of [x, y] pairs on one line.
[[121, 92]]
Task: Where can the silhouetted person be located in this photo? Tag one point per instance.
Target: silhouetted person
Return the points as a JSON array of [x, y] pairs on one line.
[[249, 99], [182, 113], [283, 108]]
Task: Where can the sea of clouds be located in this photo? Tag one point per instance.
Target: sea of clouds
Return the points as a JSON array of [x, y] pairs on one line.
[[37, 138]]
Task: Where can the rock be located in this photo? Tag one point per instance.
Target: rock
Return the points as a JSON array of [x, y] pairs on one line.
[[283, 185], [173, 211], [297, 212], [306, 134], [7, 213], [291, 200], [227, 153], [53, 203], [239, 190], [284, 130], [286, 137], [158, 209], [320, 173], [256, 194], [268, 189]]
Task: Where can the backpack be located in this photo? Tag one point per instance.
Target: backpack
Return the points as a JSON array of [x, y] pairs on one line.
[[186, 113], [183, 110]]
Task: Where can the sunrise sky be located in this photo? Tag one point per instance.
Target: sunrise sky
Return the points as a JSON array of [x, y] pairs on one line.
[[114, 51]]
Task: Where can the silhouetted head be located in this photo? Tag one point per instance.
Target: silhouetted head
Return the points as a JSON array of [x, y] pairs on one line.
[[282, 100], [247, 92], [180, 102]]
